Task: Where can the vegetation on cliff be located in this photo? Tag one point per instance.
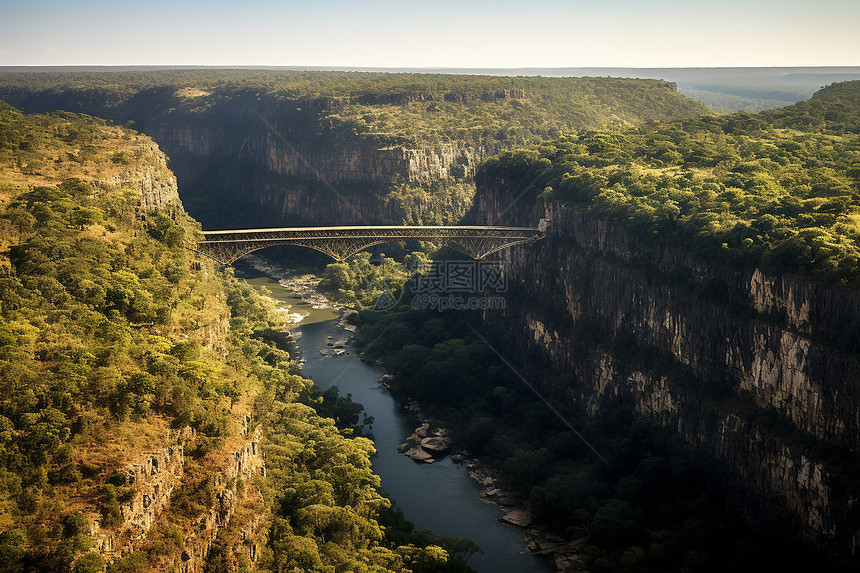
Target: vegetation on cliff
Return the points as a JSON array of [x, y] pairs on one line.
[[779, 189], [115, 340], [98, 349]]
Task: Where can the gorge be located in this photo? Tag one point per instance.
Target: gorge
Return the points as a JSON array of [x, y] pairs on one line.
[[753, 369], [260, 149], [772, 401]]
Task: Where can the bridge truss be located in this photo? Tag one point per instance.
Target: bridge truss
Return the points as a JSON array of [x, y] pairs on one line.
[[342, 242]]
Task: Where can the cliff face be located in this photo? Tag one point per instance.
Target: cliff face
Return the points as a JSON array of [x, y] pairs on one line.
[[154, 478], [268, 164], [235, 500], [281, 148], [747, 367], [235, 514], [282, 175], [151, 179]]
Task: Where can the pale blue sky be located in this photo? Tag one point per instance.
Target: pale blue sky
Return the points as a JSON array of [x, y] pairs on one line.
[[441, 33]]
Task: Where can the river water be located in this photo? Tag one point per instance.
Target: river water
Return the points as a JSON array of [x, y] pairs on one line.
[[439, 496]]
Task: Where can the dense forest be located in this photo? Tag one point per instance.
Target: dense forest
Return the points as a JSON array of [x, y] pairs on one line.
[[416, 109], [116, 341], [779, 189]]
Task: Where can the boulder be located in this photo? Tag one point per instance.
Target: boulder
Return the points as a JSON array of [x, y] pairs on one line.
[[519, 517], [350, 317], [420, 455], [436, 446], [423, 430]]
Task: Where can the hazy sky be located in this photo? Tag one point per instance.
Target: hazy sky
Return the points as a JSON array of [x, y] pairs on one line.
[[432, 33]]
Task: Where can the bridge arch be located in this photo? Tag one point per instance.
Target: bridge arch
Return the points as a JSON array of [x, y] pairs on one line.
[[340, 243]]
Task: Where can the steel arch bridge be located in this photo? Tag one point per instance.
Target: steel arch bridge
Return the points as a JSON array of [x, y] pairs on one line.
[[342, 242]]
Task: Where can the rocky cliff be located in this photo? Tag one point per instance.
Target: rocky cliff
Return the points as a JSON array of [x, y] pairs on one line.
[[153, 477], [234, 517], [148, 175], [282, 148], [757, 371], [285, 172], [237, 508]]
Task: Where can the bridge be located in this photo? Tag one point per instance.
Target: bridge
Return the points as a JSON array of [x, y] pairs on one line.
[[342, 242]]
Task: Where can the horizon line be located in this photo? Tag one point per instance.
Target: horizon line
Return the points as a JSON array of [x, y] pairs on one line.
[[287, 67]]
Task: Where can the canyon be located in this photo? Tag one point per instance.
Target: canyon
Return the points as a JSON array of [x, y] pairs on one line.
[[749, 369]]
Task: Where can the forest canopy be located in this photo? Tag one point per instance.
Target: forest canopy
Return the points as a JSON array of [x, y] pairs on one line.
[[779, 189], [391, 108]]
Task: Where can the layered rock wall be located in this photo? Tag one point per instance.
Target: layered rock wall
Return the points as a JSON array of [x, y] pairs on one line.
[[233, 488], [746, 367], [154, 478], [151, 179], [289, 177], [156, 475]]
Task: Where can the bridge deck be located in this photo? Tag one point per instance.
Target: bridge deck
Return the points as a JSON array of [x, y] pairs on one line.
[[341, 242], [372, 227]]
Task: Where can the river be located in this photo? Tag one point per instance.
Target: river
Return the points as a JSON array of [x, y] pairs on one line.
[[439, 496]]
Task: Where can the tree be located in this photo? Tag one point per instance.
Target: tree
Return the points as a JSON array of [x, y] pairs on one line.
[[83, 216]]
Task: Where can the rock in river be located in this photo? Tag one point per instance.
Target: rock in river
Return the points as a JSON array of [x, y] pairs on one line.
[[420, 455], [436, 446], [518, 517], [423, 430]]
